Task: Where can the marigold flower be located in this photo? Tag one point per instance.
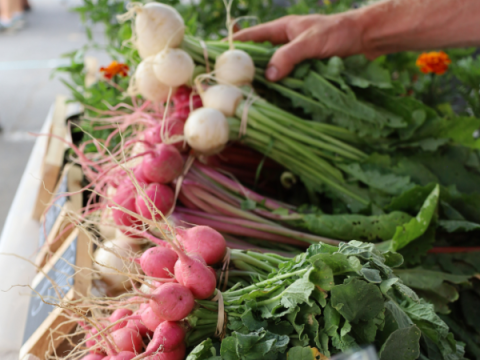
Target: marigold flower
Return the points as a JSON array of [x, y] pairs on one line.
[[433, 62], [115, 68]]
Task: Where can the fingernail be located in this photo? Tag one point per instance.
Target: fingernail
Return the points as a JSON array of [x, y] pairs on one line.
[[271, 73]]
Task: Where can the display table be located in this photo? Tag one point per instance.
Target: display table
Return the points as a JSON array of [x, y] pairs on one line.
[[20, 237]]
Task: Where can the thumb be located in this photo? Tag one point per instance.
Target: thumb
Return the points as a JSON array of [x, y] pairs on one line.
[[286, 57]]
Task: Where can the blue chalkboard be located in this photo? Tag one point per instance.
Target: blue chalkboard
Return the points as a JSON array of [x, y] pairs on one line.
[[54, 212], [62, 273]]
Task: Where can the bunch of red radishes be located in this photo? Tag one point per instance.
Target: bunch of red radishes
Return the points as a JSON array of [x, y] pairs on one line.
[[161, 164], [183, 274]]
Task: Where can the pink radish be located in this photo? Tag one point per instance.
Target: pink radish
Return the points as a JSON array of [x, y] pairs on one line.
[[124, 355], [139, 326], [177, 354], [172, 301], [178, 275], [158, 262], [141, 179], [167, 337], [161, 195], [150, 319], [127, 339], [93, 342], [125, 197], [205, 241], [152, 135], [163, 165], [117, 315], [93, 357], [195, 275]]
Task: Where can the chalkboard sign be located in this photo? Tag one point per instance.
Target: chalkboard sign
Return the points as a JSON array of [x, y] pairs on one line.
[[68, 283], [56, 225], [63, 280], [53, 213]]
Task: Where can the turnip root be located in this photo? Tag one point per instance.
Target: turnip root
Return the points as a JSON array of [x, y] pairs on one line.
[[157, 26], [167, 337], [106, 261], [173, 67], [163, 165], [205, 241], [234, 67], [106, 227], [172, 301], [127, 339], [158, 262], [147, 84], [206, 131], [162, 197], [224, 98]]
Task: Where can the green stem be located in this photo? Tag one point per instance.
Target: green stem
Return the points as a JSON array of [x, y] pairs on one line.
[[252, 261], [229, 294]]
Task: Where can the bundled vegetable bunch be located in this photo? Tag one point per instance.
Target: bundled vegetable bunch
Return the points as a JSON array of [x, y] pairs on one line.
[[322, 302], [176, 273]]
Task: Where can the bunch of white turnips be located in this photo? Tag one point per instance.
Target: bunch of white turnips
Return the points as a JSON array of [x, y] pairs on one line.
[[158, 32]]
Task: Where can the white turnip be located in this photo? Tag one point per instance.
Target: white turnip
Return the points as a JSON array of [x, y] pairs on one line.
[[224, 98], [234, 67], [206, 131], [173, 67]]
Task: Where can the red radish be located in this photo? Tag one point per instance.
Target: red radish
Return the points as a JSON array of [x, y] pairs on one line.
[[178, 273], [125, 197], [173, 127], [195, 275], [93, 357], [124, 355], [117, 315], [141, 179], [152, 135], [162, 197], [127, 339], [150, 319], [172, 301], [167, 337], [93, 342], [177, 354], [182, 114], [158, 262], [163, 165], [204, 240], [138, 325]]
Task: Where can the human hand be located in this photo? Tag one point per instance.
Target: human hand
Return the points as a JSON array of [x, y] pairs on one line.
[[305, 37]]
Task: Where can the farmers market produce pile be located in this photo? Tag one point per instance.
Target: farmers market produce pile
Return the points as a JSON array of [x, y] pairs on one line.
[[236, 218]]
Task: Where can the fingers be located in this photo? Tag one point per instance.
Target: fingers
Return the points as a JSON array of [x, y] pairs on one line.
[[273, 31], [286, 57]]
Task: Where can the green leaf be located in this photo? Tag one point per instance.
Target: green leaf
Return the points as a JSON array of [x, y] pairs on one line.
[[202, 351], [458, 226], [418, 225], [357, 300], [304, 353], [361, 227], [402, 344]]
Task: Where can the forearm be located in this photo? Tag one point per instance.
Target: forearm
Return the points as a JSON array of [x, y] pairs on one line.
[[398, 25]]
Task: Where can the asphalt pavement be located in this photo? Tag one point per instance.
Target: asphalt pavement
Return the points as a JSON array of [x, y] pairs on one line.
[[27, 90]]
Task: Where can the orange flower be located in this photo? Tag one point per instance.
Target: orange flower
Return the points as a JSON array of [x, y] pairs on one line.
[[433, 62], [115, 68]]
